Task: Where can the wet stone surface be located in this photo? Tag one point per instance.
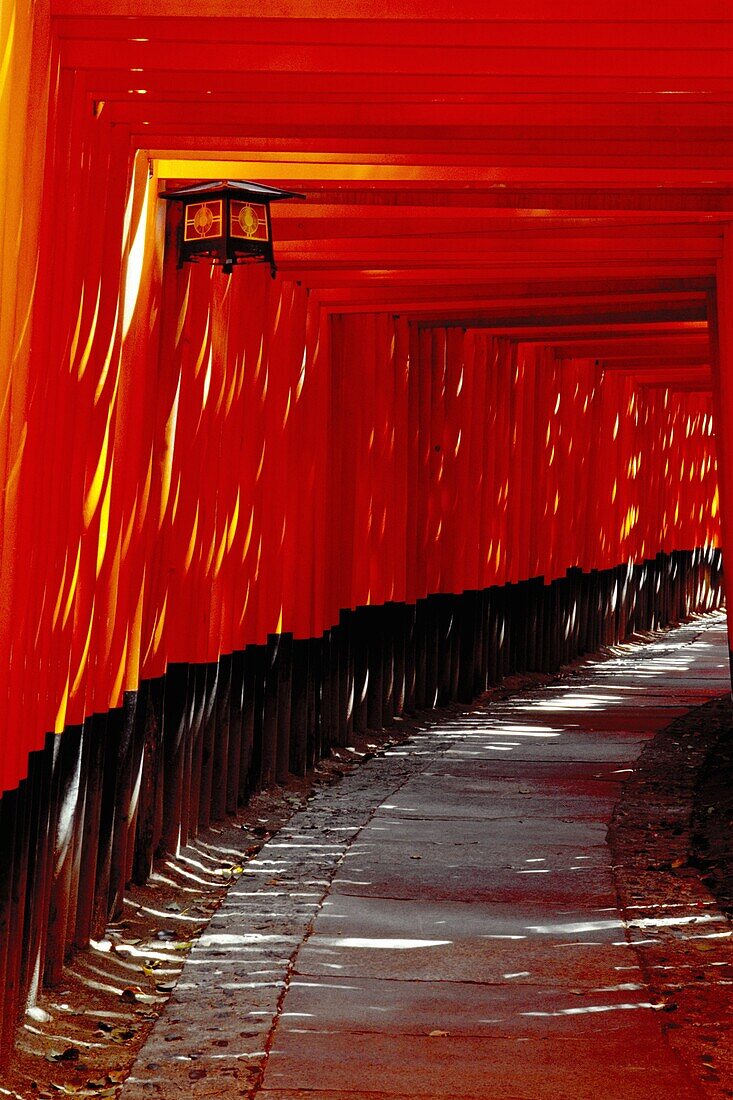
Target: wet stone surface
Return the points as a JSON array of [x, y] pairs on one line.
[[234, 978], [449, 921]]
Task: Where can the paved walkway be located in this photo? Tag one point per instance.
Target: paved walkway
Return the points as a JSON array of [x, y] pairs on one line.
[[444, 921]]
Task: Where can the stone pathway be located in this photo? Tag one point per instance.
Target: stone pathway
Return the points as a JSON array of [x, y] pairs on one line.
[[444, 922]]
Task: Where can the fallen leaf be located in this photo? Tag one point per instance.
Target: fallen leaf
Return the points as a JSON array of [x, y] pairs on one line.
[[130, 994], [122, 1034], [438, 1035], [70, 1054]]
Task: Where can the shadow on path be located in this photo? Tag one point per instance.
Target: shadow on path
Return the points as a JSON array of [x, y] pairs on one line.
[[445, 922]]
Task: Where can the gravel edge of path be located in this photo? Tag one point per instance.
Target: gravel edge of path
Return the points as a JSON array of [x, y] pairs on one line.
[[660, 875]]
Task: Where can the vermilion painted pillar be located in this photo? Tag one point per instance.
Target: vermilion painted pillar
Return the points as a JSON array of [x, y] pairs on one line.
[[721, 346]]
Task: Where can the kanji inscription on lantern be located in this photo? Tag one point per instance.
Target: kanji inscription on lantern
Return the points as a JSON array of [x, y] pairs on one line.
[[203, 219], [248, 221]]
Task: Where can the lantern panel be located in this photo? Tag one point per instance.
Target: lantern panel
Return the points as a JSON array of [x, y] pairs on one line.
[[204, 220], [248, 221]]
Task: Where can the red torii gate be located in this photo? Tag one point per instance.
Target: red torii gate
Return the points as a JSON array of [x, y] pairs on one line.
[[463, 432]]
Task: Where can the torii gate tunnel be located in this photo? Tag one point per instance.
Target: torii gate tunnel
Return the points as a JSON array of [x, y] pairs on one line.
[[475, 425]]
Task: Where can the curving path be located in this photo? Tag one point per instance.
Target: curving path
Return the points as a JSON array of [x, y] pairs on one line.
[[444, 921]]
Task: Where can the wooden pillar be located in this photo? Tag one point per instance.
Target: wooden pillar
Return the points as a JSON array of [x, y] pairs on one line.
[[410, 657], [236, 729], [147, 834], [314, 749], [399, 623], [445, 631], [346, 679], [8, 825], [271, 698], [198, 709], [360, 650], [113, 736], [375, 691], [92, 768], [467, 646], [387, 619], [220, 784], [299, 708], [720, 318], [174, 737], [284, 707], [208, 734], [123, 804]]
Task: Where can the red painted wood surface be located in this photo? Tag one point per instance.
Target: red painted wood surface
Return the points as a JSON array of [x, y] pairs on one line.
[[487, 356]]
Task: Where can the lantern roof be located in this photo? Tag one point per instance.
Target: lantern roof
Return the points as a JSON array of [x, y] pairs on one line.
[[243, 189]]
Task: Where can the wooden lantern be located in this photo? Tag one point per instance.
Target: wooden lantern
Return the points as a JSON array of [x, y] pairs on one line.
[[227, 222]]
